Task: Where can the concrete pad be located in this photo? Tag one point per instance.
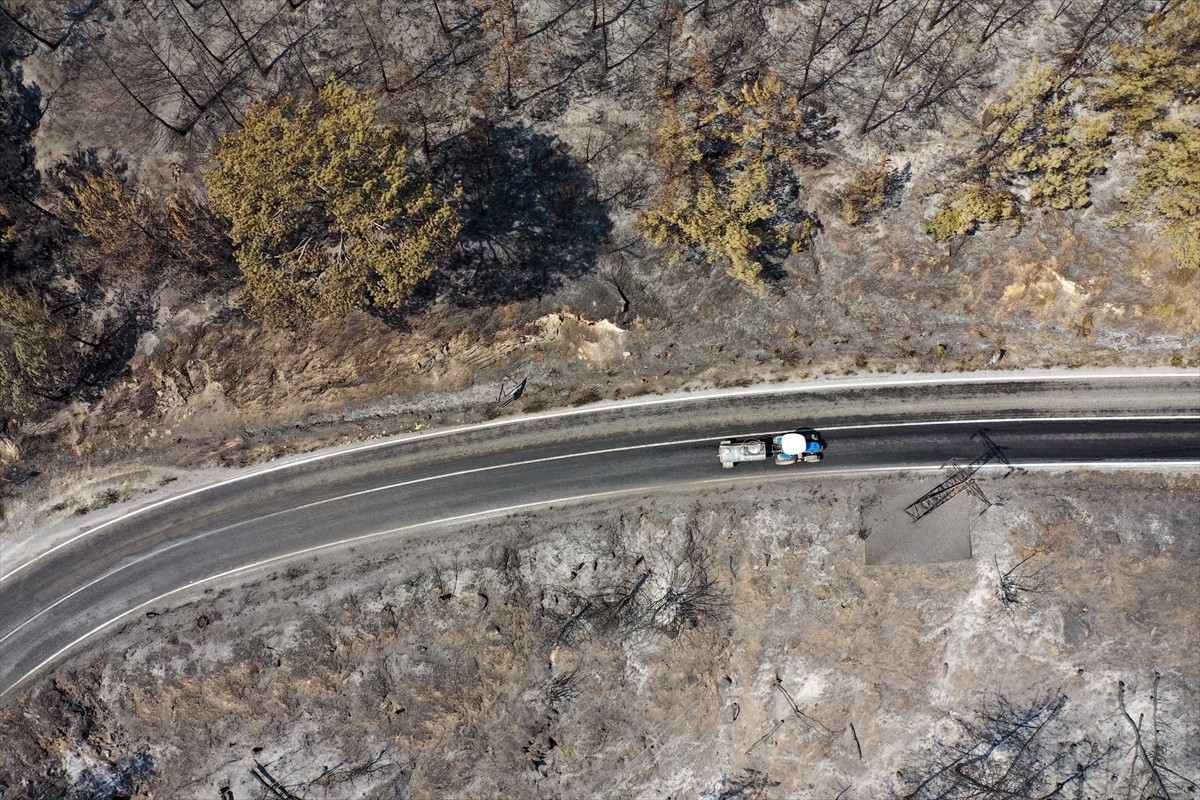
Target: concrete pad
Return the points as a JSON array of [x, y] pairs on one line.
[[943, 534]]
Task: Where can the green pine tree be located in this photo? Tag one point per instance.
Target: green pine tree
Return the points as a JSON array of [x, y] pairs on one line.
[[36, 352], [327, 212], [722, 163]]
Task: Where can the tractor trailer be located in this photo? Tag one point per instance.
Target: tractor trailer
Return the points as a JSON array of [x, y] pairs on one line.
[[787, 448]]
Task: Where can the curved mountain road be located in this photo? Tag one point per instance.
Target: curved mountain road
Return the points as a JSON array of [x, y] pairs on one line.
[[51, 602]]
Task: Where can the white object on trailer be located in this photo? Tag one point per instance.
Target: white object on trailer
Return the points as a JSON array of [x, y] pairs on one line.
[[793, 448], [793, 444]]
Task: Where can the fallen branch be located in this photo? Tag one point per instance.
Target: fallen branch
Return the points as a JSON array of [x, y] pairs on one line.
[[765, 736], [1138, 745]]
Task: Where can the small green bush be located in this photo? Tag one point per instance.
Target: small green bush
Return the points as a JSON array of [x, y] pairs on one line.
[[976, 207], [867, 193]]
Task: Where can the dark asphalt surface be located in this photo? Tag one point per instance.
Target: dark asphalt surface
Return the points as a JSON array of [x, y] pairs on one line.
[[51, 603]]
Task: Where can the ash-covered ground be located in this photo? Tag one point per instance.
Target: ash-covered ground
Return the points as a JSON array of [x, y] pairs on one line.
[[731, 644]]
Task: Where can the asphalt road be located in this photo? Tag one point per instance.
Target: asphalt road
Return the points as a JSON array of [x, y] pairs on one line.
[[111, 569]]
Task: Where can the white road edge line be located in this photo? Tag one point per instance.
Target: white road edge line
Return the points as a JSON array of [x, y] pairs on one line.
[[865, 426], [1016, 420], [481, 515], [527, 462]]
